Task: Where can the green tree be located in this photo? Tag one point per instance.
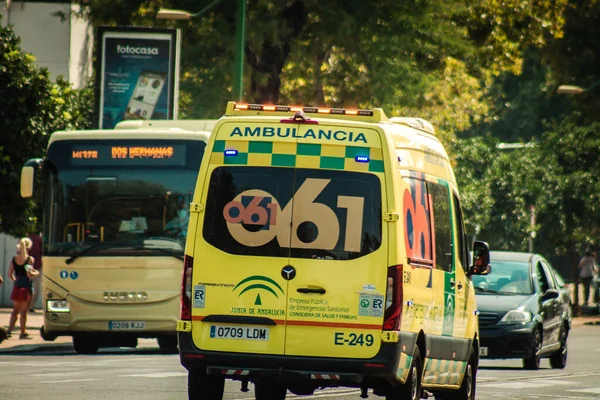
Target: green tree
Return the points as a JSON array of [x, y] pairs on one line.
[[31, 107], [351, 53]]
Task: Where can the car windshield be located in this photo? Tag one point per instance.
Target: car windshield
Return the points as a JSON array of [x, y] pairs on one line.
[[507, 277]]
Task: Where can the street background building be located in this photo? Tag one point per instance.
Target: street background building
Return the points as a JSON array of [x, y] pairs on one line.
[[51, 31]]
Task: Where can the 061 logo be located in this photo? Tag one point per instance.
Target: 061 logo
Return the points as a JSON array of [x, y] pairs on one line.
[[254, 218]]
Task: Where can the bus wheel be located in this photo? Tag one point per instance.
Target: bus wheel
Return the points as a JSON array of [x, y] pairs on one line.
[[269, 390], [411, 389], [205, 387], [167, 344], [84, 345]]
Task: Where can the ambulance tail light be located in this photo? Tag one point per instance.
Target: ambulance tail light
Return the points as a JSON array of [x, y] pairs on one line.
[[186, 289], [393, 299]]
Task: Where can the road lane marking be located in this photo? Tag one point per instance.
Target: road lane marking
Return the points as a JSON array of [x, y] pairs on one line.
[[595, 390], [70, 380], [62, 373], [157, 375], [533, 396]]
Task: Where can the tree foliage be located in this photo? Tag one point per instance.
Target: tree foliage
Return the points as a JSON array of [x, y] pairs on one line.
[[350, 53], [482, 71], [31, 107]]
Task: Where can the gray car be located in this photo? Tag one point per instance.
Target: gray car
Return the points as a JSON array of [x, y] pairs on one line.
[[524, 310]]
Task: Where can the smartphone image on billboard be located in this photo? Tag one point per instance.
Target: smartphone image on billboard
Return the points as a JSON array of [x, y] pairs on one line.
[[145, 95]]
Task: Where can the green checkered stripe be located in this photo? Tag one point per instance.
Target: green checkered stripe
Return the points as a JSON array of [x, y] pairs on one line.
[[403, 367], [301, 155], [443, 372]]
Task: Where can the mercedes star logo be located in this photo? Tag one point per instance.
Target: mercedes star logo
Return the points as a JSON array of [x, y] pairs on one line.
[[288, 272]]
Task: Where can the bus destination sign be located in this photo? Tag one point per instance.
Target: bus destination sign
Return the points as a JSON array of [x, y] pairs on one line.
[[127, 154]]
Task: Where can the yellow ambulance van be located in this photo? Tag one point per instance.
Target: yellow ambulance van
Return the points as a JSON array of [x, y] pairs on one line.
[[326, 247]]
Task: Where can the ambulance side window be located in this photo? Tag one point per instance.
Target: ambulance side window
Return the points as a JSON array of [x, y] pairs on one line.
[[463, 251], [442, 223]]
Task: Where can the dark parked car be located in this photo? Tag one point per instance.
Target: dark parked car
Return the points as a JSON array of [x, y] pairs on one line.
[[524, 310]]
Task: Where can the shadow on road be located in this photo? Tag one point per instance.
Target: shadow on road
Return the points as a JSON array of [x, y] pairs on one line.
[[66, 349]]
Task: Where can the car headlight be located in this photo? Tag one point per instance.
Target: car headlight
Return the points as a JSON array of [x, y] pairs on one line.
[[517, 316], [58, 306]]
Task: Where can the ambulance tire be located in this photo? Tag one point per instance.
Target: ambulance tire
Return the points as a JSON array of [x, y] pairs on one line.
[[467, 387], [411, 389], [269, 390], [205, 387], [85, 345]]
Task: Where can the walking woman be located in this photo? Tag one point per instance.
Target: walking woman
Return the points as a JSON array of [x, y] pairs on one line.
[[21, 271]]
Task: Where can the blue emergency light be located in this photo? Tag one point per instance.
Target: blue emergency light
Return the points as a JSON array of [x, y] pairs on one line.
[[231, 152], [362, 159]]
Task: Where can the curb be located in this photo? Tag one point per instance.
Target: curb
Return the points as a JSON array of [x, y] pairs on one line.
[[33, 348]]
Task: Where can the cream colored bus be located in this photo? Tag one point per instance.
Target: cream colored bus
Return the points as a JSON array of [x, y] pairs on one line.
[[116, 208]]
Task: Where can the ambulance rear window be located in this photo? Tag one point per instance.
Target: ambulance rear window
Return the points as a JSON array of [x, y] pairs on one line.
[[299, 213]]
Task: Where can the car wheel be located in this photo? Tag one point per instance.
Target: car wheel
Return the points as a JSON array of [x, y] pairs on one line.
[[84, 345], [559, 359], [533, 361], [269, 390], [205, 387], [411, 389]]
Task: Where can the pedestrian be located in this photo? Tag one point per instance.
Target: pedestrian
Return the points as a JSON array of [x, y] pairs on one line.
[[21, 272], [587, 268], [3, 331], [36, 253]]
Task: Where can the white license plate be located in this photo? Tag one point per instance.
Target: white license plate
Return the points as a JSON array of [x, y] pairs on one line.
[[126, 325], [239, 332], [483, 352]]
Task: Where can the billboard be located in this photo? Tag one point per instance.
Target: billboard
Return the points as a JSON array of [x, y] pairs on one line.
[[137, 74]]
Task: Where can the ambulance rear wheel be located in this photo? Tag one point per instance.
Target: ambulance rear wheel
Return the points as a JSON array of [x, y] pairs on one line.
[[269, 390], [205, 387], [411, 389]]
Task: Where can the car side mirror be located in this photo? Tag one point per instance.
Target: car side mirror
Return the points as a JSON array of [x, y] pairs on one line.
[[481, 259], [550, 294]]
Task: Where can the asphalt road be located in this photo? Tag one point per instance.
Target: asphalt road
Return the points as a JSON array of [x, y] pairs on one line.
[[55, 372]]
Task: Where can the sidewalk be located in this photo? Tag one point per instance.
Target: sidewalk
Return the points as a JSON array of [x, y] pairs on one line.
[[34, 322]]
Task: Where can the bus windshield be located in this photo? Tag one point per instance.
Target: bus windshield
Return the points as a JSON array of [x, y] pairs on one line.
[[118, 207]]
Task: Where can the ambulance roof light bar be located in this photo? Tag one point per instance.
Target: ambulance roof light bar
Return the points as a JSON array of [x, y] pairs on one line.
[[375, 115]]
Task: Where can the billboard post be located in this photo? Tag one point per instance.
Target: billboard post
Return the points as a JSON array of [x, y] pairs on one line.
[[137, 74]]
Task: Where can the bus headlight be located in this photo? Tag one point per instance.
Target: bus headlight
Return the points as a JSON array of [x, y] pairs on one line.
[[58, 306]]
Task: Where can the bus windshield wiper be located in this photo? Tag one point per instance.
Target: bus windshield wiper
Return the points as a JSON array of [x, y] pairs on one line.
[[92, 247]]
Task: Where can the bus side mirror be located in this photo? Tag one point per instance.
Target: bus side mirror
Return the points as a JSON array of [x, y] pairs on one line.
[[27, 179], [481, 259], [28, 176]]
